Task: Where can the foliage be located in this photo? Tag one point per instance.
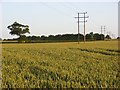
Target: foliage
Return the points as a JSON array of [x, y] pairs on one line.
[[118, 37], [61, 65], [97, 36], [90, 36], [22, 39], [18, 29], [108, 37], [102, 37], [72, 37]]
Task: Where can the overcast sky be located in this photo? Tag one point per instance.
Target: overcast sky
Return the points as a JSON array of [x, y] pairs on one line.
[[45, 18]]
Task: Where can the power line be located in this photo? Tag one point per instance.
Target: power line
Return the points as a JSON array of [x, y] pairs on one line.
[[84, 21], [55, 9], [66, 6]]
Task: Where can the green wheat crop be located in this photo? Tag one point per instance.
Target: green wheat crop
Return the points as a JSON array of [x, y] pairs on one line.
[[60, 65]]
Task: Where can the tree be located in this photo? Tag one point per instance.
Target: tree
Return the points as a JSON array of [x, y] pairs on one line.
[[118, 37], [22, 38], [88, 36], [108, 37], [51, 37], [43, 37], [97, 36], [92, 36], [102, 36], [19, 30]]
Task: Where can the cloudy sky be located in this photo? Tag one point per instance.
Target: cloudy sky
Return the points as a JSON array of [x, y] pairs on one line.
[[45, 18]]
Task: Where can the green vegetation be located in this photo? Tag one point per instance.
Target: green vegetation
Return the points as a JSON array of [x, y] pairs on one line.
[[61, 65], [19, 30], [61, 37]]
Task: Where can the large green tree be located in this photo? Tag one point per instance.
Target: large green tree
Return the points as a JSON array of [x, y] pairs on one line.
[[19, 30]]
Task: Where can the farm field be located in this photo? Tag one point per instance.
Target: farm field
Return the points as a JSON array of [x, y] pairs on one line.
[[61, 65]]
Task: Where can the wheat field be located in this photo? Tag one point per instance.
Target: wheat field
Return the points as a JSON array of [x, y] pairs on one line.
[[61, 65]]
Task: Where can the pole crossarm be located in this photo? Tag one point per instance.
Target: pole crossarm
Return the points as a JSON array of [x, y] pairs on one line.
[[82, 21], [82, 17]]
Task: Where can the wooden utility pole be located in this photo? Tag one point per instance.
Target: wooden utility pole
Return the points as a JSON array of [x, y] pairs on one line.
[[78, 27], [84, 26], [78, 30], [82, 22], [103, 29], [101, 32]]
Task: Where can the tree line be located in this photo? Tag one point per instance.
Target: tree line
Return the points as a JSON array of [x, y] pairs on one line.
[[64, 37], [20, 30], [90, 37]]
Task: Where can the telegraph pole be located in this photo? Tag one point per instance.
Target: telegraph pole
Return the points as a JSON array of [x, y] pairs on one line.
[[82, 22], [78, 27], [103, 29], [84, 27], [101, 32]]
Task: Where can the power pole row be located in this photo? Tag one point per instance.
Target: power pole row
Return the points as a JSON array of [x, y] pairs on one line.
[[103, 28], [84, 21]]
